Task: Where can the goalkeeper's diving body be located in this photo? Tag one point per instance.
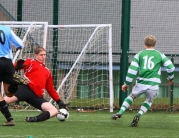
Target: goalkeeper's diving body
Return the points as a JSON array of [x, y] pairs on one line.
[[7, 37], [148, 63], [39, 78]]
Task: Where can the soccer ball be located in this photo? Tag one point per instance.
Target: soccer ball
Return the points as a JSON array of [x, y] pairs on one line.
[[62, 115]]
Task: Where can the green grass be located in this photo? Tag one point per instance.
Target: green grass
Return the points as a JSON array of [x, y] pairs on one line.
[[103, 103], [94, 125]]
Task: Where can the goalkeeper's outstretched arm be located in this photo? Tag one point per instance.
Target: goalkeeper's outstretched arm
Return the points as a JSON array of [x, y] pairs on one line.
[[19, 64]]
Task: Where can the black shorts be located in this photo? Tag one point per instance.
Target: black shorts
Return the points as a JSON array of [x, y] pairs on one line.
[[24, 93], [6, 70]]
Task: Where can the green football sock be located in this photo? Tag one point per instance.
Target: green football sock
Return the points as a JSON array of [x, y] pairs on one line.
[[144, 108], [126, 104]]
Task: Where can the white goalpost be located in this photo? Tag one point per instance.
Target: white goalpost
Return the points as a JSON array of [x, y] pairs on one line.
[[80, 57]]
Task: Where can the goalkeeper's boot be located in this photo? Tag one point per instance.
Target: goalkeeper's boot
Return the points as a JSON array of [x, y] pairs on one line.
[[9, 123], [31, 119], [115, 116], [135, 121]]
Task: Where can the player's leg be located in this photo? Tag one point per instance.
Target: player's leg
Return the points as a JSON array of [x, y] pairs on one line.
[[7, 78], [6, 89], [10, 99], [143, 109], [24, 93], [48, 110], [7, 75], [5, 111], [128, 102], [150, 96], [47, 106]]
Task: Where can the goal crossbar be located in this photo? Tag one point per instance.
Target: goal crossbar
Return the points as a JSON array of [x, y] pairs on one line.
[[19, 24]]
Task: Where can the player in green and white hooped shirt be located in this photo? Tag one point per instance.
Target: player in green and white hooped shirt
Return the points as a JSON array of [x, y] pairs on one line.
[[148, 63]]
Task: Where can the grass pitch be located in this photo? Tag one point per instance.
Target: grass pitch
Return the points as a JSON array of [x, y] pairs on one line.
[[94, 125]]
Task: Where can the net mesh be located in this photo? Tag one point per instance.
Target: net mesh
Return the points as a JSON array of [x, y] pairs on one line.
[[78, 57], [82, 65]]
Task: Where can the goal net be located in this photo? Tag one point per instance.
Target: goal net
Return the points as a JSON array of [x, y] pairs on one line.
[[33, 34], [80, 58]]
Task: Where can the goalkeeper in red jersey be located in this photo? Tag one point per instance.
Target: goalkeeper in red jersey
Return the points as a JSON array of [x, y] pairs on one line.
[[39, 78]]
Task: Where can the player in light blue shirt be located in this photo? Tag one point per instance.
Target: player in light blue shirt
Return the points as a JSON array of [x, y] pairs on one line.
[[7, 39]]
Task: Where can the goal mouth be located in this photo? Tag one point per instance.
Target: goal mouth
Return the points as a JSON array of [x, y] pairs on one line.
[[79, 57], [84, 60]]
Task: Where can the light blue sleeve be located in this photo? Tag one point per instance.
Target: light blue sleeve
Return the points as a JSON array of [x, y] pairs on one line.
[[16, 40]]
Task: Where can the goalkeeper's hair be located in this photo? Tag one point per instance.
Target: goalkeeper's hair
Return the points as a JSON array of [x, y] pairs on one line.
[[39, 49]]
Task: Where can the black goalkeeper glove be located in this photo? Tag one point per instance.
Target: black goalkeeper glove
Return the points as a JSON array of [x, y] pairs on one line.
[[19, 80], [61, 104], [20, 64]]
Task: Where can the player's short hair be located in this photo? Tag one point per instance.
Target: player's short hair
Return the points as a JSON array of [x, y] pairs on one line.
[[39, 49], [150, 41]]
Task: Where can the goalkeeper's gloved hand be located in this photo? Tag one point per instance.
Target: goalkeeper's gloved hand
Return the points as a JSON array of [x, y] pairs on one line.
[[61, 104], [19, 80], [20, 64]]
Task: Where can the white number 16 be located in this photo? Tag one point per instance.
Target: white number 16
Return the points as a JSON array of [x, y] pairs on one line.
[[148, 63]]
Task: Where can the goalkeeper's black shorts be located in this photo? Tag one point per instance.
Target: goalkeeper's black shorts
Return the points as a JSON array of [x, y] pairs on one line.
[[6, 70], [24, 93]]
